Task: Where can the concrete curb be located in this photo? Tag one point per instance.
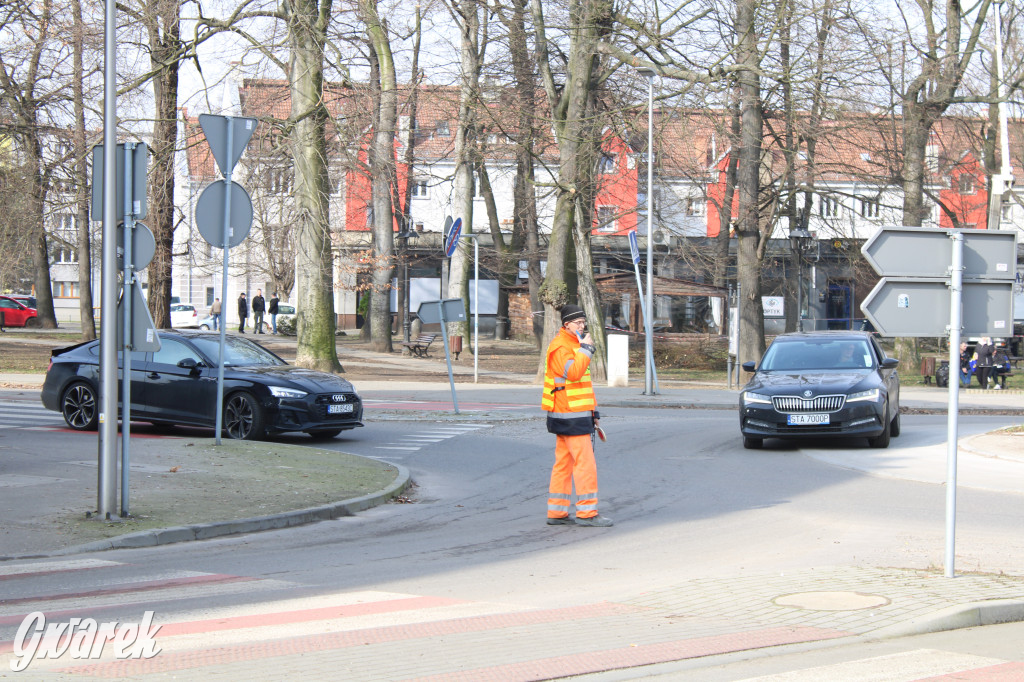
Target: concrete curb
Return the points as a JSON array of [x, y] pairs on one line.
[[957, 617], [205, 531]]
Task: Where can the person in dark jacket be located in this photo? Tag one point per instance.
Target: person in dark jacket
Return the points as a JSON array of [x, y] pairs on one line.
[[984, 354], [965, 365], [243, 312], [272, 309], [259, 305]]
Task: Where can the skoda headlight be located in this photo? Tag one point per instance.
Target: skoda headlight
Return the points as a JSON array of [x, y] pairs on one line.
[[282, 392], [751, 397], [871, 396]]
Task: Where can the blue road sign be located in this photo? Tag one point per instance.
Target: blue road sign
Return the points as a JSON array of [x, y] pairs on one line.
[[633, 248], [451, 238]]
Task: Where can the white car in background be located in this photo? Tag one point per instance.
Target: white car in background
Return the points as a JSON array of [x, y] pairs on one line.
[[184, 315], [285, 315]]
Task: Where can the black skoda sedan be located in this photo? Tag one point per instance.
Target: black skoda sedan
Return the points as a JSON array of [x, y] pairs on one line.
[[178, 385], [821, 384]]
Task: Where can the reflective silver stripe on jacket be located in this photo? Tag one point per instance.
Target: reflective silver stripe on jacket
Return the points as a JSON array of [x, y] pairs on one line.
[[571, 415], [559, 496]]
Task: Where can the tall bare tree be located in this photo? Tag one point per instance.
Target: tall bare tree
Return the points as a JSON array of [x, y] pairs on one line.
[[307, 26], [382, 174]]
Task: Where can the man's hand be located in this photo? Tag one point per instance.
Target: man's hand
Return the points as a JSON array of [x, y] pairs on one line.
[[586, 338]]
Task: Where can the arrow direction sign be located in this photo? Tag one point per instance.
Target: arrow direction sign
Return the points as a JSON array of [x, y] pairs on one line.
[[919, 307], [928, 251], [216, 130]]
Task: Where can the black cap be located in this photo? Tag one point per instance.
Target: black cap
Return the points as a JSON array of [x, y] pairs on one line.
[[572, 312]]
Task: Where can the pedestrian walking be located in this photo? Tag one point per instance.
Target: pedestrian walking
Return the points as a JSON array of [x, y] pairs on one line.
[[215, 310], [272, 309], [259, 305], [243, 312], [572, 416], [984, 353]]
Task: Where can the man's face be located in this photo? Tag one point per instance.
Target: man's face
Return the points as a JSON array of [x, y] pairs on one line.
[[576, 326]]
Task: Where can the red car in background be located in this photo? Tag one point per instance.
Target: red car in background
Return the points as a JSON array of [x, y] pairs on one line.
[[15, 314]]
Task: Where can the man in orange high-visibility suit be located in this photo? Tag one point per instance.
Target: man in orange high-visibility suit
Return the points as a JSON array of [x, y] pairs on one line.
[[572, 416]]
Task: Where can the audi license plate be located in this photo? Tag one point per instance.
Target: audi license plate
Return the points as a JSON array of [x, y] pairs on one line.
[[807, 419], [344, 409]]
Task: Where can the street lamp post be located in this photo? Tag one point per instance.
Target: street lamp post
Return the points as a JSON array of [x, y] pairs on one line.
[[649, 346], [798, 240], [1003, 181]]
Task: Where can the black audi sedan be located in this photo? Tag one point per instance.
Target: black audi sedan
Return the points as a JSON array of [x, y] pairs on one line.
[[178, 385], [821, 384]]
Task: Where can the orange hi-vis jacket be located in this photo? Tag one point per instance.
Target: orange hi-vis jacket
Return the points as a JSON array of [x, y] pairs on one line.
[[568, 391]]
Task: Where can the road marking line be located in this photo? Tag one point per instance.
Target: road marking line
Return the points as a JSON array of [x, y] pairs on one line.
[[46, 567]]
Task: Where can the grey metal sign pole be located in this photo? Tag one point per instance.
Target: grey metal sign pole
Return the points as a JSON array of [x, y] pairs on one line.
[[106, 502], [224, 288], [127, 291], [648, 358], [447, 355], [956, 286]]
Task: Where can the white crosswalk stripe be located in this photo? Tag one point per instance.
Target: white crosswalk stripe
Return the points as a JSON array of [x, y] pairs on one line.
[[413, 441], [15, 415], [902, 667]]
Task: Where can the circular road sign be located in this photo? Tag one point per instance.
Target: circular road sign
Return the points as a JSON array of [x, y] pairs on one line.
[[210, 214], [143, 246]]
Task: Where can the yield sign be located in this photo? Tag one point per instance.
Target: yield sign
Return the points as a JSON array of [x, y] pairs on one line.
[[216, 130]]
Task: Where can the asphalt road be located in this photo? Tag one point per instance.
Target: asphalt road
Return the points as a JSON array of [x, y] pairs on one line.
[[687, 500]]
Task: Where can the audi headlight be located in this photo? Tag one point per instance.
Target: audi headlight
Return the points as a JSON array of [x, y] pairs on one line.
[[750, 397], [871, 396], [281, 392]]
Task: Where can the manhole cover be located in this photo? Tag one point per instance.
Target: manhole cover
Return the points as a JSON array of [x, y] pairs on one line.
[[831, 601]]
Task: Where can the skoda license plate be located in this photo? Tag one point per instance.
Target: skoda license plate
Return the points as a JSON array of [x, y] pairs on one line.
[[343, 409], [807, 419]]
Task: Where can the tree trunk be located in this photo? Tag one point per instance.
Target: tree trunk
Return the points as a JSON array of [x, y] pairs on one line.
[[81, 180], [165, 46], [751, 312], [382, 164], [315, 315], [465, 150]]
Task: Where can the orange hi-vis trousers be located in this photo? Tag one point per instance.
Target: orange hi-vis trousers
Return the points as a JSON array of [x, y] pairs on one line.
[[574, 463]]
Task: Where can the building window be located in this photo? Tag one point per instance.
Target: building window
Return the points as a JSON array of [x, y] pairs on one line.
[[419, 189], [828, 206], [66, 290], [607, 163], [441, 129], [966, 184], [869, 208], [209, 296], [1007, 210], [695, 206], [369, 216], [278, 181], [606, 221]]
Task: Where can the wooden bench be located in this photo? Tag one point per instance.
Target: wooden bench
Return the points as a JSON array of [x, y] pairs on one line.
[[420, 345]]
